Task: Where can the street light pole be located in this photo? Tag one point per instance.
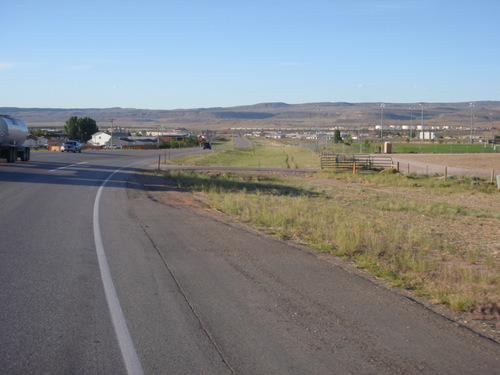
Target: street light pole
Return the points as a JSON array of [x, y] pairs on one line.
[[359, 132], [382, 105], [411, 121], [422, 121], [471, 119], [317, 130]]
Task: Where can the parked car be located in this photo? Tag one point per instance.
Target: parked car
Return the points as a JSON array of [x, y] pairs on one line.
[[73, 146]]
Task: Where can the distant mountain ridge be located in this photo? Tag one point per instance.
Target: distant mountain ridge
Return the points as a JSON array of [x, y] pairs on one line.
[[276, 114]]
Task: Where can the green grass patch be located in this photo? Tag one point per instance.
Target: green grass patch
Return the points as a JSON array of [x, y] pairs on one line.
[[261, 154], [414, 148]]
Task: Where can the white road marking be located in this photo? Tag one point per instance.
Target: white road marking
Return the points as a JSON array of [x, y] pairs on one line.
[[129, 354], [68, 166]]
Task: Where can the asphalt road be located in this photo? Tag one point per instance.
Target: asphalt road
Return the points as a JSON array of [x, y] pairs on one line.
[[99, 277]]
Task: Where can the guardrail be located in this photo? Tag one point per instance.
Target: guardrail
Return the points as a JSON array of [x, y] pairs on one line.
[[330, 160]]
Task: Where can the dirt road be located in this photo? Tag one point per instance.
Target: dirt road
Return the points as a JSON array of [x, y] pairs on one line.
[[479, 165]]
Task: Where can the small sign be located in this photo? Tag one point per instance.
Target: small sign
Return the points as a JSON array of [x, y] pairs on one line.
[[200, 139]]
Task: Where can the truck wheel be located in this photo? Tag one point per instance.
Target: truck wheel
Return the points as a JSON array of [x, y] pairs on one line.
[[25, 155], [11, 155]]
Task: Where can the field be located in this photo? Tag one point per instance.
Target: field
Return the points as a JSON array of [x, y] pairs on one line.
[[438, 239], [262, 154], [281, 154], [471, 161], [419, 148]]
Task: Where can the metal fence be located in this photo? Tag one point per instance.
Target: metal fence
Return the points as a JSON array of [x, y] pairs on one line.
[[329, 160]]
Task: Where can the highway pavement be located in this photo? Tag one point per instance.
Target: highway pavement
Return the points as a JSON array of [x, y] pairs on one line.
[[104, 271]]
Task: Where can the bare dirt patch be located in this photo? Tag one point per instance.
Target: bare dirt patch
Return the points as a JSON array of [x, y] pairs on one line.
[[469, 164]]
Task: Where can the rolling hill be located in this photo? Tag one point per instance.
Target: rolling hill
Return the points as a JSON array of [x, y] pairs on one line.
[[274, 115]]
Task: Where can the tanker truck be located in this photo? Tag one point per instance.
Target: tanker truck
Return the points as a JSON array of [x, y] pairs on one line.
[[13, 133]]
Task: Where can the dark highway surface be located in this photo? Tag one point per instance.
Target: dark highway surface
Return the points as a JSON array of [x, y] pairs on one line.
[[100, 275]]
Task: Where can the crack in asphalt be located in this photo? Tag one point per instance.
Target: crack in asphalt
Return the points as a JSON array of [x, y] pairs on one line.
[[181, 291]]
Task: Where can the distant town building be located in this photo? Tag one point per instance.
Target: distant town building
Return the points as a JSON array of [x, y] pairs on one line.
[[427, 135]]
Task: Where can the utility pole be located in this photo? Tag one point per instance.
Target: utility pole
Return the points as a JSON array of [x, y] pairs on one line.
[[158, 138], [111, 120]]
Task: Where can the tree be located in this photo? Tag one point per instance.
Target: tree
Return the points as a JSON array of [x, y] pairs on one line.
[[337, 138], [87, 127], [80, 128], [38, 132], [367, 145], [71, 128]]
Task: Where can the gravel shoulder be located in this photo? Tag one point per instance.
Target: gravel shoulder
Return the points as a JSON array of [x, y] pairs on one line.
[[273, 306]]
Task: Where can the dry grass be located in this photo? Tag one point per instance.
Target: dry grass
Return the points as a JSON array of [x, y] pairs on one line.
[[439, 240]]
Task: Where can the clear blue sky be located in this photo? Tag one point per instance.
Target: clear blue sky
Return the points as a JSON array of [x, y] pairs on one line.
[[190, 54]]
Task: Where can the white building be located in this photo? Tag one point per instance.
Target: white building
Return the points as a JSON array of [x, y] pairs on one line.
[[427, 135], [100, 139], [42, 142]]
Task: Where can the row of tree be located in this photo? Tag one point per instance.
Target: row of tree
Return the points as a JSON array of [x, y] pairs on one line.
[[187, 142]]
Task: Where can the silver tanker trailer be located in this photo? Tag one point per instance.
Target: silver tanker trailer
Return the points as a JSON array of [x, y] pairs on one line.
[[13, 133]]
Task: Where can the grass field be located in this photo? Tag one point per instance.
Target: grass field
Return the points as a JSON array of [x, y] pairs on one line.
[[417, 147], [281, 154], [262, 154]]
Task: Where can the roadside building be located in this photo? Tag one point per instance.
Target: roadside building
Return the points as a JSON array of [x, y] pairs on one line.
[[100, 138], [42, 142], [103, 138]]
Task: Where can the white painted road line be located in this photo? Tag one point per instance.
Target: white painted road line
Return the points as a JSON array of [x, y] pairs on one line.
[[129, 354], [68, 166]]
